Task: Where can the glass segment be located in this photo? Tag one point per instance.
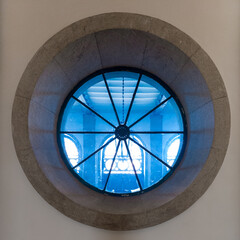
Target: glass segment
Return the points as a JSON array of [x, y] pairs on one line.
[[122, 86], [122, 131]]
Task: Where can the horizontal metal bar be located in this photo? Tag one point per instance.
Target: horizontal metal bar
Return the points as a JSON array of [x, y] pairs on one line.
[[157, 132], [85, 132]]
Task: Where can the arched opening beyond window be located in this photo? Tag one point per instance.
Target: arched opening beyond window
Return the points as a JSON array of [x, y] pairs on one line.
[[73, 149], [172, 149], [122, 166]]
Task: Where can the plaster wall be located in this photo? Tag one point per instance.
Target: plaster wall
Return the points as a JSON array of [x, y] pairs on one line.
[[25, 25]]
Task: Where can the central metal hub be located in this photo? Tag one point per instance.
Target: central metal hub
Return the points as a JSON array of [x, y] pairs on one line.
[[122, 132]]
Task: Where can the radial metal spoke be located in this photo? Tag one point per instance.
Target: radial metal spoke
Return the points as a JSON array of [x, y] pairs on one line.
[[157, 132], [93, 111], [110, 96], [150, 111], [85, 132], [133, 97], [112, 165], [150, 153], [104, 145], [133, 165]]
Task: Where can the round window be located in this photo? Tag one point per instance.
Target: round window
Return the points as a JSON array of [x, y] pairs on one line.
[[122, 121], [121, 131]]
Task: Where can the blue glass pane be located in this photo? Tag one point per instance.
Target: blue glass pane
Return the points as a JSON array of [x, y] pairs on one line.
[[94, 94], [76, 117], [122, 178], [167, 147], [86, 144], [167, 117], [153, 170], [149, 95], [122, 86], [91, 171]]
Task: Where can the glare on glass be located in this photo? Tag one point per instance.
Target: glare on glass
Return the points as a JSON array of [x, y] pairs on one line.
[[121, 132]]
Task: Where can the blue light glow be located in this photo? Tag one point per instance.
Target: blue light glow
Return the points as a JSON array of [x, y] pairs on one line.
[[135, 158]]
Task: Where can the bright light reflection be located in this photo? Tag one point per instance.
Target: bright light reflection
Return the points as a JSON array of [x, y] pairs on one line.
[[71, 150], [122, 163], [173, 151]]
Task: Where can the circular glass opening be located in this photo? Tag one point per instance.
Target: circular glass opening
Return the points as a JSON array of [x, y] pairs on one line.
[[122, 131]]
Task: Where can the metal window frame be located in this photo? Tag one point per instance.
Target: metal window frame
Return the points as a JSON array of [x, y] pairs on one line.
[[119, 69]]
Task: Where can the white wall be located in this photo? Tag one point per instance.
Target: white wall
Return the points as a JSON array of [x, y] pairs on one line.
[[26, 24]]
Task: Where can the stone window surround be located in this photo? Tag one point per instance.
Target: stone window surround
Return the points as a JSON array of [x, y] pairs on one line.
[[120, 39]]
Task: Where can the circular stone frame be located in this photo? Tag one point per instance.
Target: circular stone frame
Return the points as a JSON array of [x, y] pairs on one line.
[[108, 40]]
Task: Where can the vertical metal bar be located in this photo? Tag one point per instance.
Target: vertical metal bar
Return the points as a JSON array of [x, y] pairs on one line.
[[133, 165], [112, 165], [110, 96], [133, 97]]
